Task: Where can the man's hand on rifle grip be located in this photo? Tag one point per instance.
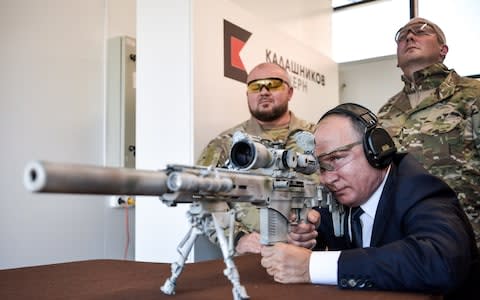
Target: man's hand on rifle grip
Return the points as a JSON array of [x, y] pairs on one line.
[[304, 234]]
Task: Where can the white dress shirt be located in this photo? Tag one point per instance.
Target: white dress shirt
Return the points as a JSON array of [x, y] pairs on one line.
[[323, 265]]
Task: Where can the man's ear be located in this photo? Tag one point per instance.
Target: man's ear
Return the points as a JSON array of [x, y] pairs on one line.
[[444, 50], [290, 92]]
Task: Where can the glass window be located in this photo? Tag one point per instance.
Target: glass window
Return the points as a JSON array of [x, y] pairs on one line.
[[461, 25], [367, 30]]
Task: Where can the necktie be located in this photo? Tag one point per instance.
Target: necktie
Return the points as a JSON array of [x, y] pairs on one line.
[[356, 227]]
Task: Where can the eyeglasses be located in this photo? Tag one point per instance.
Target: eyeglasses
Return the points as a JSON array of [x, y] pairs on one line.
[[336, 159], [271, 84], [418, 29]]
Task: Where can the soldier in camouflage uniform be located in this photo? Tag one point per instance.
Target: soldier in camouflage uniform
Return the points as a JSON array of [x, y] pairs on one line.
[[436, 115], [268, 92]]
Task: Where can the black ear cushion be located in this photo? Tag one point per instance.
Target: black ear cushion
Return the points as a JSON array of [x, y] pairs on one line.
[[379, 147]]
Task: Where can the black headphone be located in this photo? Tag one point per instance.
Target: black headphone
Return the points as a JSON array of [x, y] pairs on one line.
[[378, 145]]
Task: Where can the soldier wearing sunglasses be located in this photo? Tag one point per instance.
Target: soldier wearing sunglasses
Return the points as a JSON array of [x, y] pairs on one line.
[[268, 93], [436, 116]]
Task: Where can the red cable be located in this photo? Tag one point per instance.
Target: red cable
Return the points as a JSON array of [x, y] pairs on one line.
[[127, 232]]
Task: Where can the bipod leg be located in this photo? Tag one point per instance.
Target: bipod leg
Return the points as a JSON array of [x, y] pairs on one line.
[[183, 249], [231, 272]]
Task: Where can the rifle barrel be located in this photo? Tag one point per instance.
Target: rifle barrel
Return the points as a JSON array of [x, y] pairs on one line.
[[51, 177]]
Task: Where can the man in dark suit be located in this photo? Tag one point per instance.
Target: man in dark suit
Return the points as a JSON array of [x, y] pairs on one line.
[[411, 233]]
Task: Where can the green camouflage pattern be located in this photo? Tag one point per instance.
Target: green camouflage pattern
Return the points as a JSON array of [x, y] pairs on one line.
[[216, 154], [442, 131]]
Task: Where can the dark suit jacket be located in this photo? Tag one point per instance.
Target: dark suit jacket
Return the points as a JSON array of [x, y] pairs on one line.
[[421, 239]]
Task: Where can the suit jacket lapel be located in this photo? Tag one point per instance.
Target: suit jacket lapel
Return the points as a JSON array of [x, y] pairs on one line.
[[384, 209]]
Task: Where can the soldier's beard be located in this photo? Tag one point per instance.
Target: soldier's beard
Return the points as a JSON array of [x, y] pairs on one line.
[[270, 115]]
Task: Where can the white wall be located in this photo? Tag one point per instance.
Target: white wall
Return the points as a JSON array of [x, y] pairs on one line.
[[121, 18], [164, 117], [309, 21], [52, 107], [370, 82]]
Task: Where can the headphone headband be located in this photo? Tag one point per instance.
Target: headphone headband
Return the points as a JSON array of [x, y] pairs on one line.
[[356, 111]]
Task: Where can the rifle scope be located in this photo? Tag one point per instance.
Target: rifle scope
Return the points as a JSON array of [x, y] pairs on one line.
[[246, 154]]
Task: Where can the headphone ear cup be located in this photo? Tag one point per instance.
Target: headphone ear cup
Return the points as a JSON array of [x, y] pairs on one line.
[[379, 147]]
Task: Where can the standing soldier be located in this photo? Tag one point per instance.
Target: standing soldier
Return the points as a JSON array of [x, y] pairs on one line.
[[436, 115]]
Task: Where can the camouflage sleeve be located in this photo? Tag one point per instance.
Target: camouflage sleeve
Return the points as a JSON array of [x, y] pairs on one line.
[[476, 127], [216, 152], [247, 218]]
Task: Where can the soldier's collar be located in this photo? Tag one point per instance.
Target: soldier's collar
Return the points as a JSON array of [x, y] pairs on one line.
[[429, 78]]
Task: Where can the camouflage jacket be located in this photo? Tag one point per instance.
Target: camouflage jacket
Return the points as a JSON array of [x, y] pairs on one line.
[[216, 154], [442, 131]]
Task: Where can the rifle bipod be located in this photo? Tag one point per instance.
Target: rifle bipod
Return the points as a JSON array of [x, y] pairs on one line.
[[203, 221]]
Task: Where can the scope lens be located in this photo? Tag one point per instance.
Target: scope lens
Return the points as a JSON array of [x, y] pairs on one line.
[[242, 154]]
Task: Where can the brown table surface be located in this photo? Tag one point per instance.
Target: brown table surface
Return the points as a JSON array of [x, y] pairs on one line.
[[117, 279]]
